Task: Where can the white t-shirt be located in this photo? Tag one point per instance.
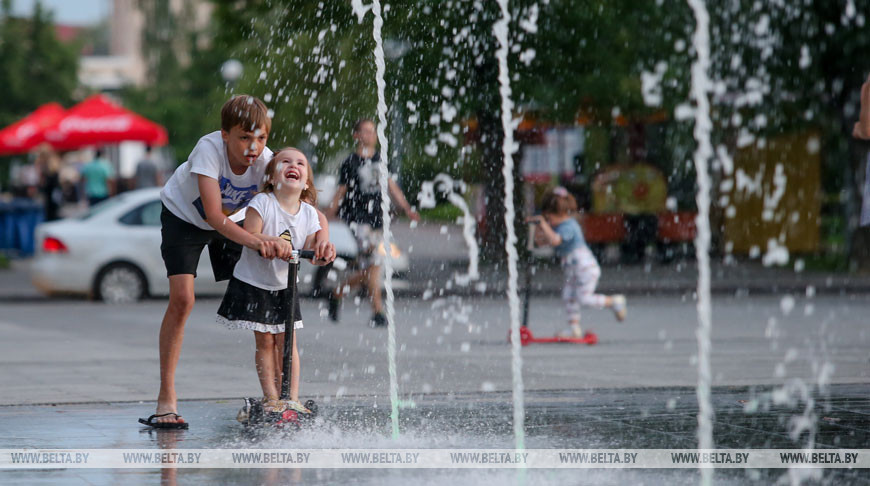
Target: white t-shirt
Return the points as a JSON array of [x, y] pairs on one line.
[[272, 274], [181, 193]]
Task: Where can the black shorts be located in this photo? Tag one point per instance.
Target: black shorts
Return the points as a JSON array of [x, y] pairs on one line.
[[182, 245]]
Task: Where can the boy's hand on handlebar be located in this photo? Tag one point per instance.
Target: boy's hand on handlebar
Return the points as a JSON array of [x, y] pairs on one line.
[[324, 253], [535, 219], [283, 249], [266, 249]]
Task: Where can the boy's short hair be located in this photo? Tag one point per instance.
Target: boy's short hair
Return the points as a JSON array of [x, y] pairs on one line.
[[247, 112], [359, 123]]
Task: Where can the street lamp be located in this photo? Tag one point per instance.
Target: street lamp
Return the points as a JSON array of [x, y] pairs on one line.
[[231, 71], [395, 48]]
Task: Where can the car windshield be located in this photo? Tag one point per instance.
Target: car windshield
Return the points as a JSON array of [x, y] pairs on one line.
[[103, 206]]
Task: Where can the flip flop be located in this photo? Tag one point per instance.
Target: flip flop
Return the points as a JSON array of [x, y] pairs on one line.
[[164, 425]]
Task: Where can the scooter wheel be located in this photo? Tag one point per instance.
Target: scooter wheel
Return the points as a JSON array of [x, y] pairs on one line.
[[288, 418], [310, 405]]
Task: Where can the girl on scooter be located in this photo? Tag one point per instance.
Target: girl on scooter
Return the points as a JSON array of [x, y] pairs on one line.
[[258, 297], [560, 229]]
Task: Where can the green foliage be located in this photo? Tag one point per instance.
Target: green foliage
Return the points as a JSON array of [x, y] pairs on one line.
[[35, 68], [313, 63], [185, 97], [445, 212], [778, 67], [589, 56]]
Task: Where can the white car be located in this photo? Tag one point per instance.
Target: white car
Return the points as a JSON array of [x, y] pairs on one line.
[[113, 252]]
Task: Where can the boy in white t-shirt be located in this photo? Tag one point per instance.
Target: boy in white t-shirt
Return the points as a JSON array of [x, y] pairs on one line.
[[219, 178]]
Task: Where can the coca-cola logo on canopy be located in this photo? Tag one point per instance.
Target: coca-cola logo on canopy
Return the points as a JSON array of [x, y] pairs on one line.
[[103, 124], [21, 134]]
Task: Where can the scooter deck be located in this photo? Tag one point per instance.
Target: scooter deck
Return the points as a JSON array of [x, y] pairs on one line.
[[526, 338], [253, 414]]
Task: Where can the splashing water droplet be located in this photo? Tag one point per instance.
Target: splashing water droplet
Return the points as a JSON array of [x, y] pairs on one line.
[[786, 304]]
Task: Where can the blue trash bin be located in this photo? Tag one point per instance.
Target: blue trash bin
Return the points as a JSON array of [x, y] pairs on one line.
[[7, 226], [27, 214]]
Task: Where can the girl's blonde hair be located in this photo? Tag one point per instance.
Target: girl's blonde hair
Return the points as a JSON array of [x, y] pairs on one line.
[[558, 201], [309, 194]]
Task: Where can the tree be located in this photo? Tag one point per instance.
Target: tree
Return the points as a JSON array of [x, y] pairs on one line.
[[35, 67], [183, 91], [312, 62]]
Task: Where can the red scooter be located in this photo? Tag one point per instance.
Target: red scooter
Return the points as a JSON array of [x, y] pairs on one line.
[[526, 338]]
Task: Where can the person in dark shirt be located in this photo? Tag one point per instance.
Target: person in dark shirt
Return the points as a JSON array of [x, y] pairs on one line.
[[358, 202]]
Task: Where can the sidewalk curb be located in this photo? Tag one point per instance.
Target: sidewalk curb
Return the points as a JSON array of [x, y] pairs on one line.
[[435, 278]]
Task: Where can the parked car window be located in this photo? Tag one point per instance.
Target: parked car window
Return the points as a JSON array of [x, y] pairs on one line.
[[147, 214], [103, 206]]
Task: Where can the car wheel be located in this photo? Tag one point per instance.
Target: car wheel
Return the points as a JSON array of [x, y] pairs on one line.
[[120, 283]]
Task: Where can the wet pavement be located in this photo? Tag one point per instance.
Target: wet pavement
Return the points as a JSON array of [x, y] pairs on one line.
[[643, 418], [63, 352], [789, 371]]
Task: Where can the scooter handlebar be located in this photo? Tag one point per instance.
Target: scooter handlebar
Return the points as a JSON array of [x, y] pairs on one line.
[[306, 254]]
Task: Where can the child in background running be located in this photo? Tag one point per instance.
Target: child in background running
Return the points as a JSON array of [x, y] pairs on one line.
[[560, 229], [257, 296]]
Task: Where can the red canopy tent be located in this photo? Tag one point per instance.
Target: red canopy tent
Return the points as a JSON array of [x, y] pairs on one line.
[[96, 121], [25, 134]]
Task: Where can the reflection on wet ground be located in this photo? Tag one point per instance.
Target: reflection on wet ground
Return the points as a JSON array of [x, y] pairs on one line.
[[659, 418]]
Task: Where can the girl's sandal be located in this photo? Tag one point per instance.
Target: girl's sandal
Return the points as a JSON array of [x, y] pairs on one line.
[[294, 405], [274, 405]]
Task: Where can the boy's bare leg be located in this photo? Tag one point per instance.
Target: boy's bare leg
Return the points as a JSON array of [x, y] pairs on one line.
[[373, 282], [181, 299], [356, 279]]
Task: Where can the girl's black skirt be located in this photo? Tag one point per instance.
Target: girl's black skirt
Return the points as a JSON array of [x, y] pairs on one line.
[[248, 307]]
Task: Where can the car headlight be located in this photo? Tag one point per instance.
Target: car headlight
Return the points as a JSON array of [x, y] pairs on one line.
[[394, 250]]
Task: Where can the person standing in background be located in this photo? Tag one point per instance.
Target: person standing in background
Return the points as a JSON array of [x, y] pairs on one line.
[[99, 179], [147, 172], [48, 163]]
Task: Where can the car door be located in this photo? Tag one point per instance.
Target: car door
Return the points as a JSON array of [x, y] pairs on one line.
[[144, 224], [141, 226]]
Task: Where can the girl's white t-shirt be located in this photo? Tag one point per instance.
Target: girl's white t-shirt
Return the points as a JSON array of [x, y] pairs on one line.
[[272, 274], [181, 193]]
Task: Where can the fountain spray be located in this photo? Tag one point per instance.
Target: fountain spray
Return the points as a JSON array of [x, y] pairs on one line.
[[500, 30], [701, 86]]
